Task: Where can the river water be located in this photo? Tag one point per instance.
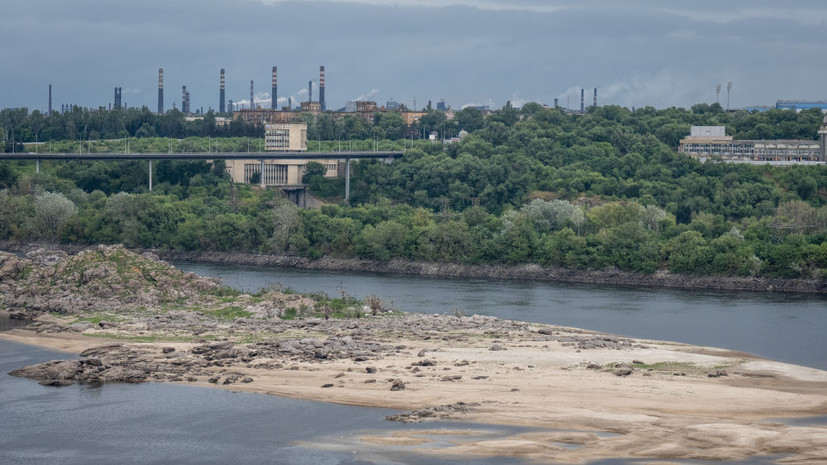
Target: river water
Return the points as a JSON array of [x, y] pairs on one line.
[[778, 326], [159, 423], [183, 424]]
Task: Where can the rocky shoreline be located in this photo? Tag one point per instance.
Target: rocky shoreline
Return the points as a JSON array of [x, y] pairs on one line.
[[133, 318], [528, 272]]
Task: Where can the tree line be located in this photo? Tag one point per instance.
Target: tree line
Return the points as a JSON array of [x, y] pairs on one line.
[[595, 191]]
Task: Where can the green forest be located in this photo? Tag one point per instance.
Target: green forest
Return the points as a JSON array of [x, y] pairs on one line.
[[602, 190]]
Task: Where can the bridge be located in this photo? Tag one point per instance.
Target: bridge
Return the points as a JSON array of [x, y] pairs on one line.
[[261, 156]]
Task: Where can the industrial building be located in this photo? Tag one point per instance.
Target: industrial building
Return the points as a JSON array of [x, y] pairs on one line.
[[285, 137], [707, 141], [799, 105], [286, 174]]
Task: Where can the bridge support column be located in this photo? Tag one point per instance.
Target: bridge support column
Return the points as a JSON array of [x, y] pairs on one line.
[[37, 167], [150, 175], [347, 179], [262, 173]]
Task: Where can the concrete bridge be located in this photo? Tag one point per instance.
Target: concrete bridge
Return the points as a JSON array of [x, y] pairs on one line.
[[261, 156]]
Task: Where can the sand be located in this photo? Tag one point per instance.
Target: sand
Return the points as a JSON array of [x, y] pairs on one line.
[[668, 408]]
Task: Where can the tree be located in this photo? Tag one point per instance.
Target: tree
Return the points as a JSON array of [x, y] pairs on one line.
[[51, 210]]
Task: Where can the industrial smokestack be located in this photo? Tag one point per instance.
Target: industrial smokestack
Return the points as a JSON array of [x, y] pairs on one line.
[[221, 107], [290, 103], [50, 99], [321, 88], [555, 103], [595, 96], [117, 97], [582, 100], [252, 96], [184, 107], [309, 91], [160, 90], [274, 96]]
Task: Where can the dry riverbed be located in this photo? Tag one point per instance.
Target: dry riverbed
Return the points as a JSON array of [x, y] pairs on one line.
[[659, 400]]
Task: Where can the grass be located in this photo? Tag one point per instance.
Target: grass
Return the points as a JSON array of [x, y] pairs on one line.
[[144, 339], [671, 367], [228, 313]]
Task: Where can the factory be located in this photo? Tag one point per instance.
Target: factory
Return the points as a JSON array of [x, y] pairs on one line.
[[286, 174], [708, 141], [800, 105]]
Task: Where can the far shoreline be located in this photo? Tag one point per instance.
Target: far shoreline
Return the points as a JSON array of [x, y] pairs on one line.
[[525, 272]]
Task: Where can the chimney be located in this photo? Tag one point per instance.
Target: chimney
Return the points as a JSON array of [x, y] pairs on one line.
[[252, 96], [321, 88], [230, 104], [221, 107], [274, 96], [184, 108], [582, 100], [160, 91], [290, 103], [595, 96], [556, 103], [50, 99], [309, 91]]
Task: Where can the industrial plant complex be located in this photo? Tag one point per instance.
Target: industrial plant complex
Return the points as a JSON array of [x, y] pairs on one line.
[[711, 141]]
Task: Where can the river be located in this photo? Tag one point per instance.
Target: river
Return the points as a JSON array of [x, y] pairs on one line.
[[779, 326], [165, 423], [160, 423]]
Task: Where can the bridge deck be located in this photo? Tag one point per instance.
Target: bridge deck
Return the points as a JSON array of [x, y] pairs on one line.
[[204, 156]]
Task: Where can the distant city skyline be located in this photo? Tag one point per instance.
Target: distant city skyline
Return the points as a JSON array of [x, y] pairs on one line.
[[468, 52]]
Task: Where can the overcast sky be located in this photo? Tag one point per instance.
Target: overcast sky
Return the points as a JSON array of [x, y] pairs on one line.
[[636, 52]]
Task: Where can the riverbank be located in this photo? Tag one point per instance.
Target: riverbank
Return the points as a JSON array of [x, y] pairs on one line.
[[587, 396], [658, 400], [454, 270]]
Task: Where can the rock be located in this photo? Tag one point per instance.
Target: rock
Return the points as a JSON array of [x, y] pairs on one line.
[[717, 373], [424, 363], [451, 378], [56, 382], [328, 385], [637, 362], [167, 350], [496, 347], [398, 385], [624, 371], [45, 257], [439, 412], [462, 363], [593, 366], [546, 331], [421, 353], [370, 381], [81, 326], [213, 379], [370, 369]]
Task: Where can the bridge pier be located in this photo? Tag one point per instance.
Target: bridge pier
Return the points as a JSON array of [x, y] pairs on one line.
[[262, 173], [37, 167], [347, 178], [150, 175]]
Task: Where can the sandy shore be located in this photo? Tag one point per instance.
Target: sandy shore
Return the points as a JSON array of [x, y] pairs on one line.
[[583, 396], [667, 408]]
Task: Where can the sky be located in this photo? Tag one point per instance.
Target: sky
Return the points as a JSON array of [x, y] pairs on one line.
[[661, 53]]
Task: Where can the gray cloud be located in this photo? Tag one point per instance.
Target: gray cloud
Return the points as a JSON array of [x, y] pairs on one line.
[[638, 52]]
